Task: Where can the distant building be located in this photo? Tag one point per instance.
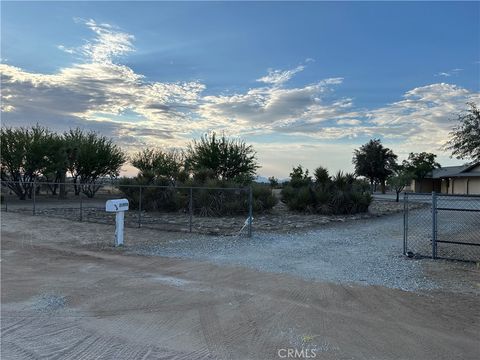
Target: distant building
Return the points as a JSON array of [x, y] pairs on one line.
[[463, 179]]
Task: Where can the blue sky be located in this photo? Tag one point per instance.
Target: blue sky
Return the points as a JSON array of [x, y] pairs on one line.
[[304, 82]]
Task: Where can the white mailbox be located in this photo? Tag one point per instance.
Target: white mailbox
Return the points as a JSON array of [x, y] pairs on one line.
[[118, 206]]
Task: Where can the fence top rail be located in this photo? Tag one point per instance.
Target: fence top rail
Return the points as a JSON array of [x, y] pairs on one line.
[[6, 182], [442, 194], [460, 195]]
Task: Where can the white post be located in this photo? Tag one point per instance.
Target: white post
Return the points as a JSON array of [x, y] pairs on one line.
[[118, 206], [119, 222]]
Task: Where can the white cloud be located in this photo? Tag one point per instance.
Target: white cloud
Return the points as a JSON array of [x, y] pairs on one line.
[[279, 77], [96, 90], [108, 43], [274, 108], [424, 117], [449, 73], [65, 49], [349, 122]]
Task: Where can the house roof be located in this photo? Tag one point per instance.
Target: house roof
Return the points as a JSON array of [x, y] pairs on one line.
[[454, 171]]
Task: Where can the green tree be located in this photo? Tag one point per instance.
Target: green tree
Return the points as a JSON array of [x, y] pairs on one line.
[[420, 165], [273, 182], [24, 157], [222, 158], [400, 178], [465, 138], [299, 177], [322, 177], [156, 164], [91, 157], [56, 164], [375, 162]]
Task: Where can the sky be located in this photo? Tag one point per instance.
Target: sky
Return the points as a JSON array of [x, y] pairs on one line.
[[304, 83]]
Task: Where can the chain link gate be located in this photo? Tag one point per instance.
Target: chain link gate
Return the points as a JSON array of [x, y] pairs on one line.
[[442, 226]]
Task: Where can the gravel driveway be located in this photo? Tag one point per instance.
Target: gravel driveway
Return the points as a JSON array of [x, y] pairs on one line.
[[362, 251]]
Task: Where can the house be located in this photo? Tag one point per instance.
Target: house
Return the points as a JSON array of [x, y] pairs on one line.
[[463, 179]]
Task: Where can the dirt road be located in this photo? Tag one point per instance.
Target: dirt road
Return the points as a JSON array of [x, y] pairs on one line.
[[63, 298]]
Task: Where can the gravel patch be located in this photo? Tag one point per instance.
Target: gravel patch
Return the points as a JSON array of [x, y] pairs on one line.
[[365, 252], [48, 303]]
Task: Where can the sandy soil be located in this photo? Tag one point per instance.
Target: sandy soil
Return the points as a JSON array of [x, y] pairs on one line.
[[63, 298]]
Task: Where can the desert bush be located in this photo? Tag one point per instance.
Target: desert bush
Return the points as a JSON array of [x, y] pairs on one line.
[[164, 198], [337, 195], [263, 198], [211, 198], [218, 202]]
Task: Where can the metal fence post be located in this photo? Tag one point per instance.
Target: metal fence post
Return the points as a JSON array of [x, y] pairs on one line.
[[140, 208], [190, 210], [434, 225], [250, 211], [405, 199], [81, 208], [34, 197]]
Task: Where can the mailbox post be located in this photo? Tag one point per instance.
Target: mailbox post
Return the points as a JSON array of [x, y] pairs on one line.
[[118, 206]]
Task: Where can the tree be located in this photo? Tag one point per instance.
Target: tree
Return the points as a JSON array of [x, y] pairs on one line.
[[24, 157], [299, 177], [90, 157], [273, 182], [322, 177], [225, 159], [375, 162], [465, 138], [156, 164], [56, 164], [399, 179], [420, 165]]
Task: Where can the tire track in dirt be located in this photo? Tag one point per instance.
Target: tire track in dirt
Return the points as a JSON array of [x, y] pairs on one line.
[[71, 341], [213, 333], [12, 328], [291, 301]]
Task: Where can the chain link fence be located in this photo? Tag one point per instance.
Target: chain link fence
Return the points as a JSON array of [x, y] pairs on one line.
[[442, 226], [207, 210]]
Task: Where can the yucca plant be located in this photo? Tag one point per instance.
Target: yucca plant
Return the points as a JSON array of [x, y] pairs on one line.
[[339, 194]]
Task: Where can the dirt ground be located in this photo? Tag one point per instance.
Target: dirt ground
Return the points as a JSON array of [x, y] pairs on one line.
[[67, 295]]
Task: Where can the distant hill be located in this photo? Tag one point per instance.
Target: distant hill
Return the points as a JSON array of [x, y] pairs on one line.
[[264, 179]]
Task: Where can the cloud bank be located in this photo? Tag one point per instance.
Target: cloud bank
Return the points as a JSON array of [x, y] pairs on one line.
[[98, 92]]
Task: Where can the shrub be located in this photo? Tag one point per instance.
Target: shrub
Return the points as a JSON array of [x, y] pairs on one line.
[[165, 198], [263, 198], [212, 198], [340, 194]]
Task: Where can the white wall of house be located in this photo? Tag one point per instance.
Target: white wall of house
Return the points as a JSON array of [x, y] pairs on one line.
[[459, 186], [474, 186], [469, 186]]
